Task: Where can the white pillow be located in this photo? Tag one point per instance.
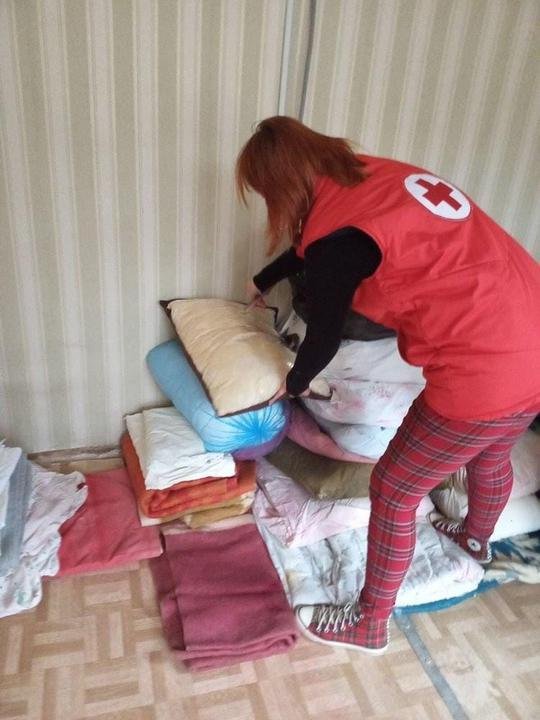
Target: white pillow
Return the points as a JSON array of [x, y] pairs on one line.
[[236, 351]]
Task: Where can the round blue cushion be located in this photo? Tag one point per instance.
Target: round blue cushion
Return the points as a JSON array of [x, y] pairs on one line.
[[178, 382]]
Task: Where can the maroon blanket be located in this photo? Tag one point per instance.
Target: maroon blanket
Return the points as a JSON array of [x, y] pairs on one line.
[[220, 597]]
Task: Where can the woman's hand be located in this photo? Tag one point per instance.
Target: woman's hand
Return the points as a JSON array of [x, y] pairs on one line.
[[254, 296], [282, 394]]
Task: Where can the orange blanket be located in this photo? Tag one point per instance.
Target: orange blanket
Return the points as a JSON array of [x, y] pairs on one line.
[[185, 496]]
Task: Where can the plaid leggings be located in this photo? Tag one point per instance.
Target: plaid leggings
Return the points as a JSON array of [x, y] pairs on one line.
[[425, 451]]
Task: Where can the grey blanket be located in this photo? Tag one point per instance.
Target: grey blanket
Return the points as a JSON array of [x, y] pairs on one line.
[[11, 535]]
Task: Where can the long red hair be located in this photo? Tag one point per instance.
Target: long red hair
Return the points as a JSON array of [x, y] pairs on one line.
[[282, 160]]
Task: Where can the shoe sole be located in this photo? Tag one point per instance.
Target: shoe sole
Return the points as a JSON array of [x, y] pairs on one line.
[[349, 646]]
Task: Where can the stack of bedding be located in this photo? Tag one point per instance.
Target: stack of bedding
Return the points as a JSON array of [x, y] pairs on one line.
[[221, 371], [173, 476], [318, 546], [194, 460], [221, 600]]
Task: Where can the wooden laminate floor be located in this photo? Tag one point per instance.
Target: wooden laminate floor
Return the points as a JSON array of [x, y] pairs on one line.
[[93, 648]]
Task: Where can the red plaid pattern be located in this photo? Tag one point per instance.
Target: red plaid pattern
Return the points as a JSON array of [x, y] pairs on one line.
[[425, 451]]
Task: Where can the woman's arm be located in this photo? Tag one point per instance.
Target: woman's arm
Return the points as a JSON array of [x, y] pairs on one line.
[[334, 266], [285, 265]]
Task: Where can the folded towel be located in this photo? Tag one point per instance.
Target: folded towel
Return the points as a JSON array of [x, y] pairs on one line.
[[105, 532], [204, 514], [170, 451], [211, 515], [195, 495], [221, 600]]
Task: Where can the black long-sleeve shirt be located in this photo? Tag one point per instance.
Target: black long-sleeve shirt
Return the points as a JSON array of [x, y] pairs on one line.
[[334, 266]]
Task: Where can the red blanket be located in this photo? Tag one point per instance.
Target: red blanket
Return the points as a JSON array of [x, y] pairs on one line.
[[221, 599], [105, 532]]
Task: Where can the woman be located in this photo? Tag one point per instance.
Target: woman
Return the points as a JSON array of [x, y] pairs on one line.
[[412, 252]]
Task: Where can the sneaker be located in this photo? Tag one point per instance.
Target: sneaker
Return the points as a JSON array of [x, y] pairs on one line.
[[343, 626], [453, 529]]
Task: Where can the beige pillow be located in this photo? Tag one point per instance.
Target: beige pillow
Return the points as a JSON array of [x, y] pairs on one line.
[[236, 351]]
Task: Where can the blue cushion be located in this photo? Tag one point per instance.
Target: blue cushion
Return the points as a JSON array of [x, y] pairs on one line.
[[178, 382]]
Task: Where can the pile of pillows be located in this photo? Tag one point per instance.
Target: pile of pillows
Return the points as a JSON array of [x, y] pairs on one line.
[[222, 371]]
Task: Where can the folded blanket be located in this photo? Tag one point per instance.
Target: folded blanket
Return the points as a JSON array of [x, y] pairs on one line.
[[11, 535], [177, 527], [180, 498], [3, 509], [9, 457], [235, 506], [211, 515], [170, 451], [204, 514], [323, 477], [105, 532], [220, 598]]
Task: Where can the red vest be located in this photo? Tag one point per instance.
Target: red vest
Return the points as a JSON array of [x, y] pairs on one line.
[[463, 296]]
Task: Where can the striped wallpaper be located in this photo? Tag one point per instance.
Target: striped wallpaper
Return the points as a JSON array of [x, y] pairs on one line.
[[119, 126]]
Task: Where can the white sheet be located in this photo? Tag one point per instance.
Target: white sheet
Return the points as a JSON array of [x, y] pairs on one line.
[[54, 499], [332, 570], [170, 451], [369, 402], [377, 360], [296, 518]]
